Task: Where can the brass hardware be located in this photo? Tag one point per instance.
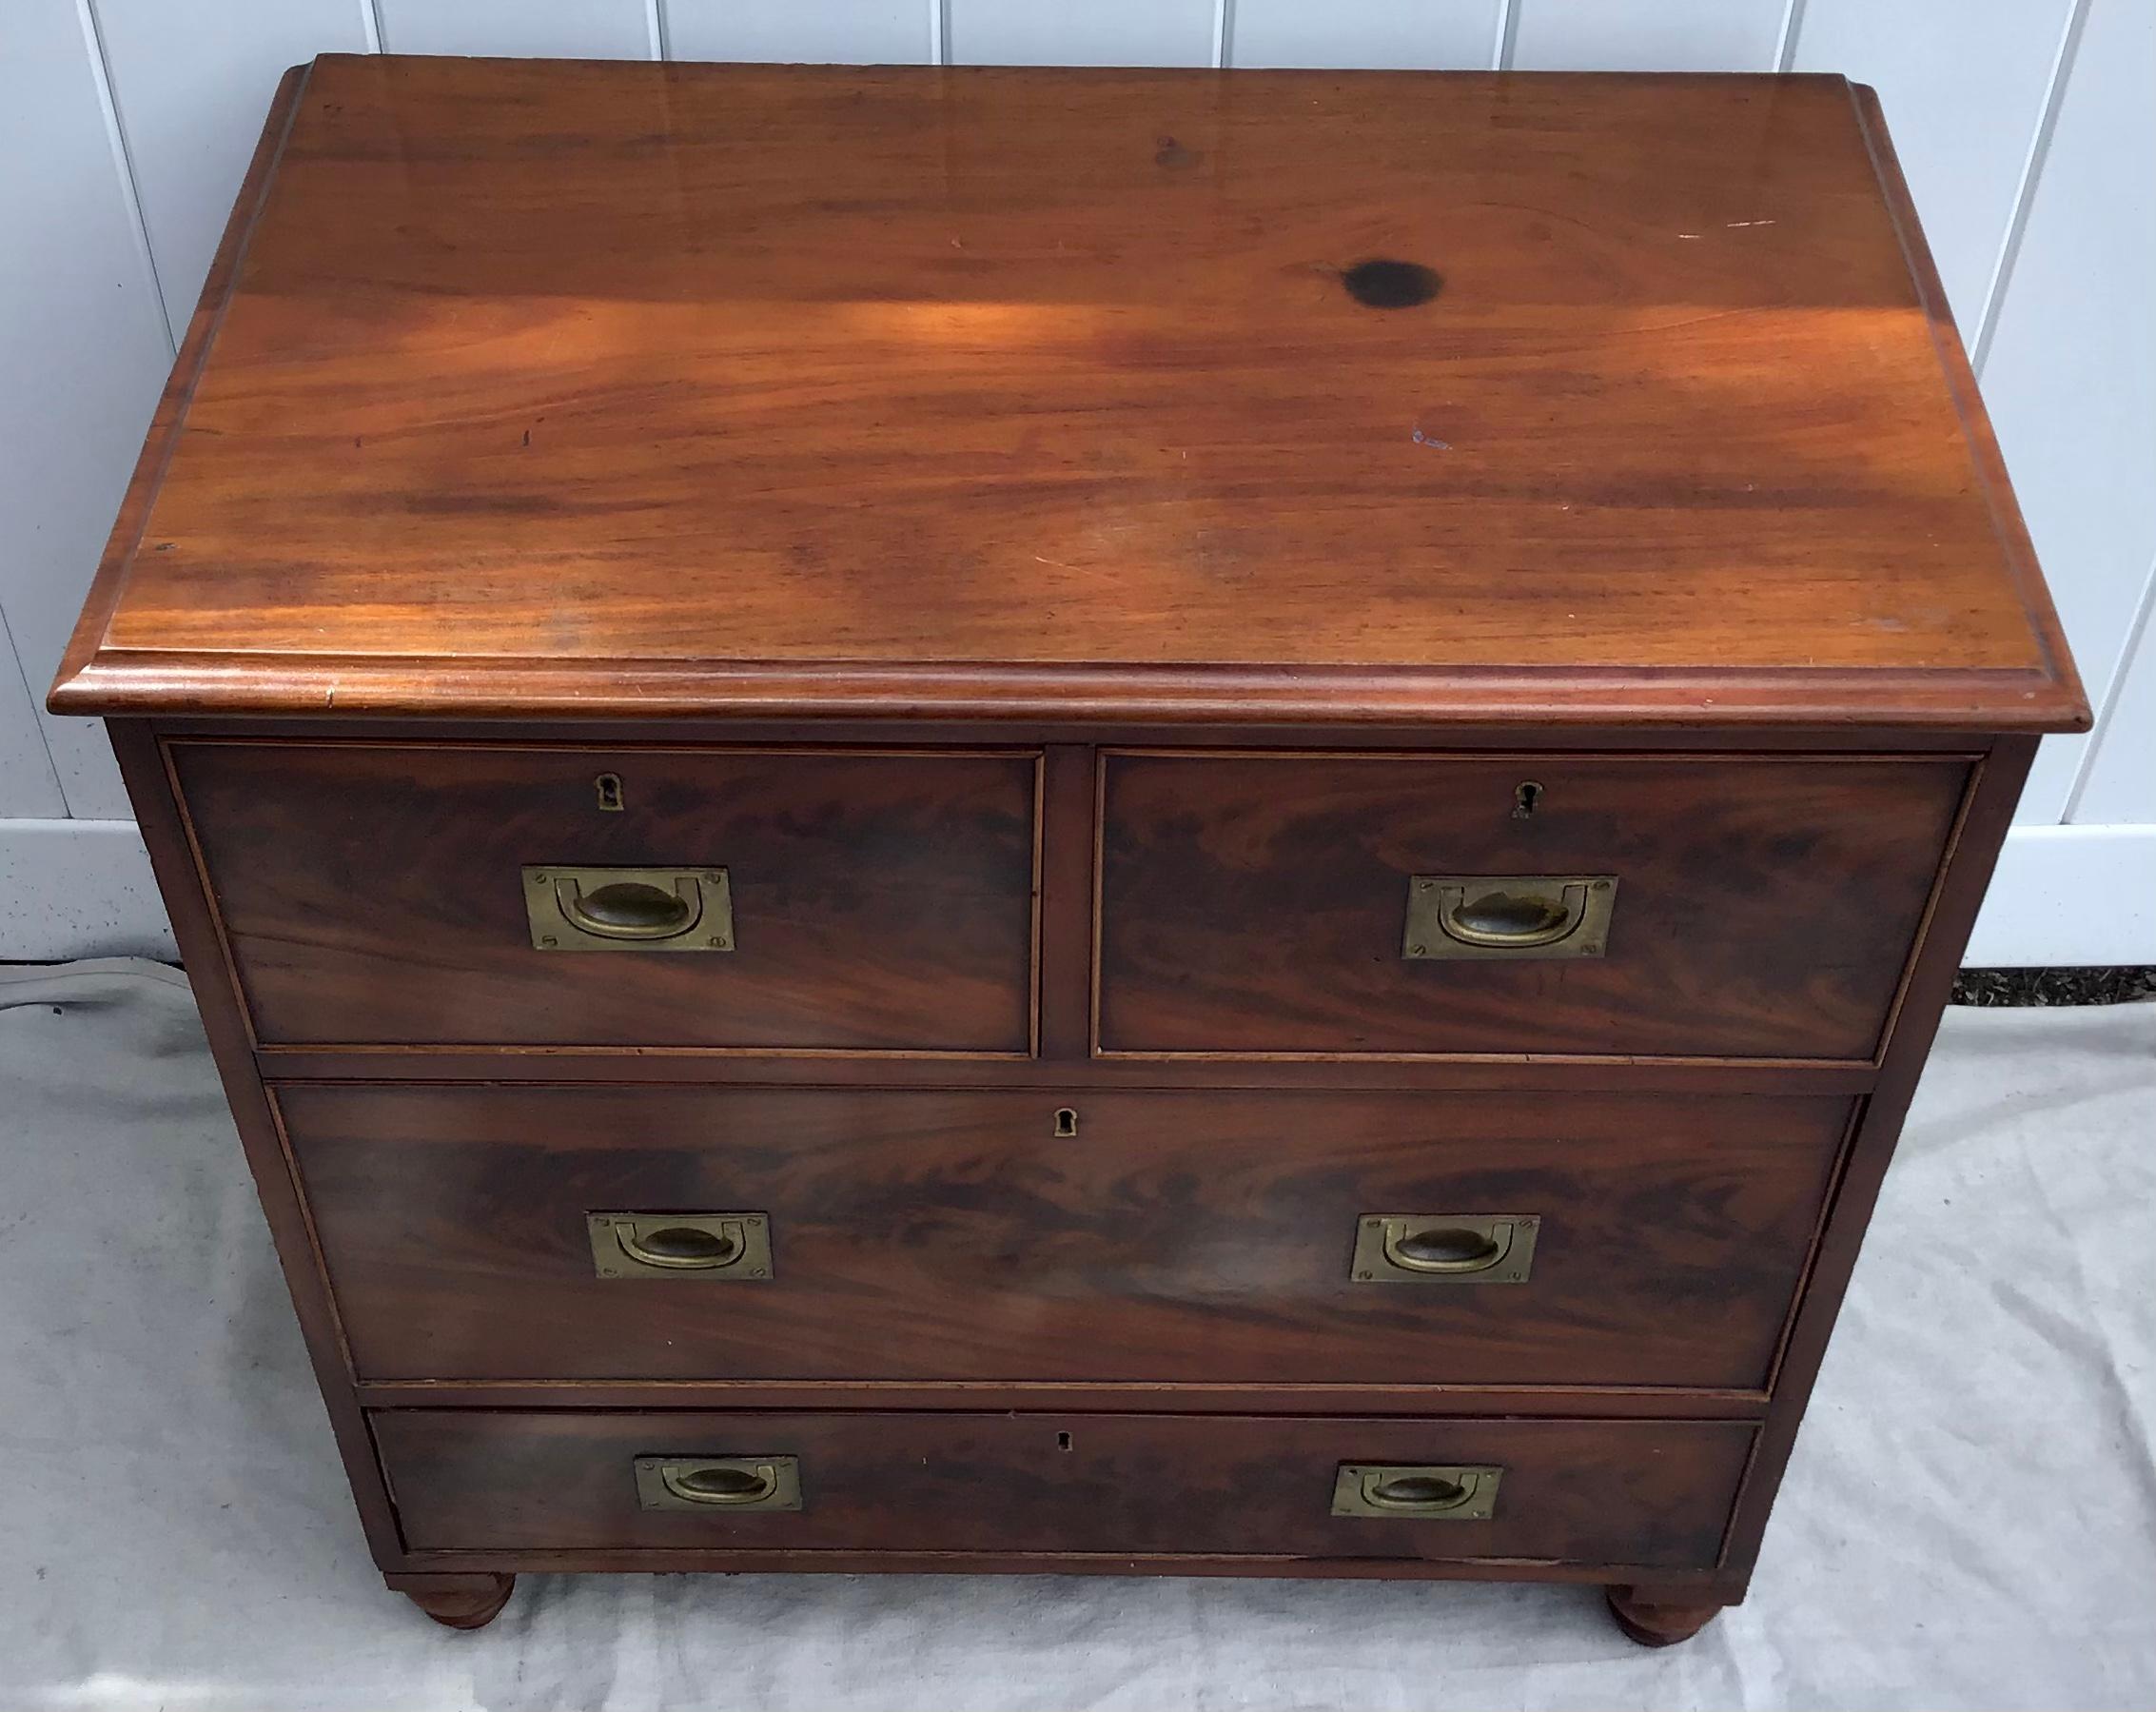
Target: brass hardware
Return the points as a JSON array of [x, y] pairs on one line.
[[1517, 915], [1443, 1247], [629, 909], [718, 1482], [718, 1245], [609, 788], [1526, 799], [1416, 1491], [1065, 1122]]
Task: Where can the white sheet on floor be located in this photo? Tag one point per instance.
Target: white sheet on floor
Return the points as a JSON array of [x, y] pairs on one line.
[[1969, 1520]]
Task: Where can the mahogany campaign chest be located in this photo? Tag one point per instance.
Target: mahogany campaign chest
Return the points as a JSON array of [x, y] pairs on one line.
[[1142, 821]]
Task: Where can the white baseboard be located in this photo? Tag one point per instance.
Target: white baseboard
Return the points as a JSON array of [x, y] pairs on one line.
[[2063, 894], [78, 889], [2070, 895]]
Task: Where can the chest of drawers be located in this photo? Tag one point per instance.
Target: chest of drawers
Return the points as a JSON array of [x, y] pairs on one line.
[[1126, 821]]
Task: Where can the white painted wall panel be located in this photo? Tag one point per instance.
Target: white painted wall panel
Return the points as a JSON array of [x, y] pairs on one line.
[[2120, 784], [1962, 84], [78, 888], [2071, 376], [29, 787], [1374, 35], [543, 28], [2067, 894], [1099, 32], [83, 351], [191, 80], [1647, 36], [853, 32]]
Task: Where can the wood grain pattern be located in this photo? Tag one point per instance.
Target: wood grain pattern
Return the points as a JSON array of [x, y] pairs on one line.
[[1579, 1492], [1764, 909], [718, 389], [374, 894], [1177, 1238]]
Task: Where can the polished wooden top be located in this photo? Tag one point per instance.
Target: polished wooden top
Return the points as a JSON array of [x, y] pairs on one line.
[[528, 387]]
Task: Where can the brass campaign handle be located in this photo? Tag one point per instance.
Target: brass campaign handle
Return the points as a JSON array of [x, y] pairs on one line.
[[636, 910], [1416, 1491], [1451, 1248], [710, 1481], [719, 1483], [1415, 1494], [1515, 916], [683, 1247], [630, 909], [1502, 916], [720, 1247], [1444, 1249]]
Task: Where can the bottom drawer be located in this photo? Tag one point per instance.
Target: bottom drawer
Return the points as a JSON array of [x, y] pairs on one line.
[[1633, 1492]]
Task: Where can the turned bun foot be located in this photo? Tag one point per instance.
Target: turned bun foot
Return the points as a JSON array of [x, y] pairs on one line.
[[1656, 1619], [457, 1601]]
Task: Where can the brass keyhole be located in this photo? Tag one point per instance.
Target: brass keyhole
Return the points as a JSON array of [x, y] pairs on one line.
[[609, 788], [1526, 798], [1066, 1123]]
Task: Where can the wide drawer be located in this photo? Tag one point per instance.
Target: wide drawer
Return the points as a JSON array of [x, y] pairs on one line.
[[842, 901], [1633, 1492], [1613, 905], [1174, 1236]]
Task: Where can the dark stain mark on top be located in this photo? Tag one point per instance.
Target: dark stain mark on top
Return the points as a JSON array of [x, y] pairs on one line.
[[1176, 158], [1383, 283]]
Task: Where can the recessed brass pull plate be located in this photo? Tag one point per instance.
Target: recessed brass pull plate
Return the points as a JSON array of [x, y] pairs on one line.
[[1416, 1491], [718, 1482], [1522, 917], [1445, 1247], [629, 909], [719, 1247]]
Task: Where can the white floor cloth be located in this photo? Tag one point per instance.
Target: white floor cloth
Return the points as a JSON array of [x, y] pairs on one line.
[[1969, 1520]]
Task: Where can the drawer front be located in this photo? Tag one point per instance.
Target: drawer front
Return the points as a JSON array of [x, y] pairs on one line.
[[1635, 1492], [1758, 908], [383, 894], [1176, 1237]]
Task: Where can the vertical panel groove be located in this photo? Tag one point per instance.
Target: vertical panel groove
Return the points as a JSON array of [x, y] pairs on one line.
[[2129, 657], [654, 26], [939, 32], [40, 746], [1792, 20], [1506, 37], [122, 157], [2025, 190], [370, 24], [1224, 34]]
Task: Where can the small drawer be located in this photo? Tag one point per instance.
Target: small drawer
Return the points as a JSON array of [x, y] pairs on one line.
[[1289, 1238], [1621, 1492], [1763, 906], [812, 901]]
